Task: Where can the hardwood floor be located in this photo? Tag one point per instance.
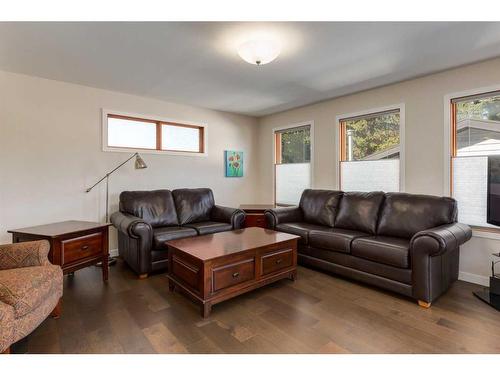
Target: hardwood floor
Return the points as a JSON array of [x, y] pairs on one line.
[[319, 313]]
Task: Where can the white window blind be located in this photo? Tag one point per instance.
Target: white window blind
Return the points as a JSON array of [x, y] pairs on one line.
[[375, 175], [470, 179], [291, 181]]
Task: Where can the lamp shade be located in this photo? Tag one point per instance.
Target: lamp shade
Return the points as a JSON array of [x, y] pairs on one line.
[[139, 163]]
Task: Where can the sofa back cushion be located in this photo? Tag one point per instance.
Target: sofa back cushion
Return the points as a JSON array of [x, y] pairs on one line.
[[193, 205], [320, 206], [155, 207], [359, 211], [403, 214]]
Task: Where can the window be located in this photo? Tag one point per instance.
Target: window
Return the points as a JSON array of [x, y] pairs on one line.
[[370, 152], [475, 134], [292, 166], [125, 132]]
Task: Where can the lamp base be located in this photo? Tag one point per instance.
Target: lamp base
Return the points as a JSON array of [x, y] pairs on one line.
[[491, 299]]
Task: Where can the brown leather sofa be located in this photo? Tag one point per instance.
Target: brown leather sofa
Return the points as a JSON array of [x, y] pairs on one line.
[[147, 219], [405, 243]]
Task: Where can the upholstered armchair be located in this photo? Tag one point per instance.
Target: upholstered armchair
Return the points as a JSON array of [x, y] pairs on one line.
[[30, 290]]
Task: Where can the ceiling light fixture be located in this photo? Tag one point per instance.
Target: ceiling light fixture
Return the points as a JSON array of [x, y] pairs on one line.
[[259, 51]]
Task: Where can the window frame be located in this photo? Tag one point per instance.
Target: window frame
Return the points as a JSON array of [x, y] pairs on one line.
[[450, 148], [159, 121], [276, 149], [340, 144]]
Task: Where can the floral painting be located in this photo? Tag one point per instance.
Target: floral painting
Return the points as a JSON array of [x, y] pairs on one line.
[[234, 163]]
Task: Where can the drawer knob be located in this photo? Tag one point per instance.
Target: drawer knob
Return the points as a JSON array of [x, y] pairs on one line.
[[236, 274], [278, 261], [85, 247]]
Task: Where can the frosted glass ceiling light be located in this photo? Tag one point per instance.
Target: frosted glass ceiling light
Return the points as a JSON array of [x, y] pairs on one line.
[[259, 52]]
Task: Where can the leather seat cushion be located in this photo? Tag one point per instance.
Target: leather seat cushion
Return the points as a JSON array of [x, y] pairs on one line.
[[335, 239], [208, 227], [193, 205], [387, 250], [163, 234], [300, 229], [320, 206], [359, 211], [27, 288], [403, 214], [402, 275], [155, 207]]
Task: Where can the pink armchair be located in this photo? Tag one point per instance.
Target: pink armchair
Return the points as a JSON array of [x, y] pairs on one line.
[[30, 290]]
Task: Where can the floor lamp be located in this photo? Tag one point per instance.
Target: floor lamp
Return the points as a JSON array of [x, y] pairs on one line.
[[139, 164]]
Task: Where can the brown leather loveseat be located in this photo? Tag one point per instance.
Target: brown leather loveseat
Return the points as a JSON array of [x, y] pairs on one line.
[[402, 242], [147, 219]]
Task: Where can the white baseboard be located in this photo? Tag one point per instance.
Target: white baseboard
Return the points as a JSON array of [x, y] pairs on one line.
[[473, 278], [113, 252]]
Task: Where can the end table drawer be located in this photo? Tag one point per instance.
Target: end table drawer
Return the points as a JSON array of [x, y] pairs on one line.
[[232, 274], [276, 261], [81, 247]]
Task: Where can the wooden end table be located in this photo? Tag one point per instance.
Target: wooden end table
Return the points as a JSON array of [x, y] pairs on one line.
[[255, 214], [216, 267], [73, 244]]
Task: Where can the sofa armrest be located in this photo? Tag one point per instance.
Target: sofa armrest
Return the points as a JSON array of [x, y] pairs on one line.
[[132, 226], [24, 254], [275, 216], [6, 326], [233, 216], [436, 241]]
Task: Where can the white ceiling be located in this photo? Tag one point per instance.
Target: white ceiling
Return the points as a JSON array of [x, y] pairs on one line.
[[197, 63]]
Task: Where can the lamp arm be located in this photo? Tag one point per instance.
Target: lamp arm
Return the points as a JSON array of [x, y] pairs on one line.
[[109, 173]]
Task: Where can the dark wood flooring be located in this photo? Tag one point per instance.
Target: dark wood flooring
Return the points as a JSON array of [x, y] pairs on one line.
[[319, 313]]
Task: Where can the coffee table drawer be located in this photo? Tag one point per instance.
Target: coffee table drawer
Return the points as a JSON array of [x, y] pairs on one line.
[[81, 247], [276, 261], [232, 274], [183, 270]]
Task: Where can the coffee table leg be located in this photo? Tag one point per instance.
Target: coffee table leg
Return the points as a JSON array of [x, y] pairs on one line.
[[206, 308], [171, 285]]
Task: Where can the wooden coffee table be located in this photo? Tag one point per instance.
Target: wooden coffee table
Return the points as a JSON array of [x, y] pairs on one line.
[[220, 266]]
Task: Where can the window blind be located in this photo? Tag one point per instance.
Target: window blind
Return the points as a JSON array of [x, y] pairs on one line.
[[373, 175]]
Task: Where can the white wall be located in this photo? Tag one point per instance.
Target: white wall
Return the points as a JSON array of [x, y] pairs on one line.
[[424, 140], [50, 151]]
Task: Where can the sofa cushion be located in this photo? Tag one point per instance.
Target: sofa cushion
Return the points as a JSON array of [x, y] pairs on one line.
[[387, 250], [27, 288], [155, 207], [402, 275], [193, 205], [163, 234], [359, 211], [320, 206], [335, 239], [208, 227], [403, 214], [300, 229]]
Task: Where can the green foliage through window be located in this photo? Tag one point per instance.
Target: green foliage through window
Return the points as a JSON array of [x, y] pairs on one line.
[[296, 146], [479, 109], [372, 135]]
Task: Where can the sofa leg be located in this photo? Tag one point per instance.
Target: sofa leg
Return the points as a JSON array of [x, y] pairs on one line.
[[56, 313], [6, 351], [424, 304], [143, 276]]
